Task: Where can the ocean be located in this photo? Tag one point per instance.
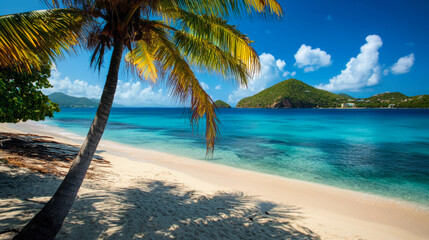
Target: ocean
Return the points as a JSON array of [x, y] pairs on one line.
[[378, 151]]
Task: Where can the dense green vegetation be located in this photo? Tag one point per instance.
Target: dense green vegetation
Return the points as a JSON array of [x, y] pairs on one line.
[[68, 101], [292, 93], [420, 101], [21, 96], [222, 104], [394, 100], [391, 96], [346, 95]]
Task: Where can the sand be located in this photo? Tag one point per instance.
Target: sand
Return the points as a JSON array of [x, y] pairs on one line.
[[153, 195]]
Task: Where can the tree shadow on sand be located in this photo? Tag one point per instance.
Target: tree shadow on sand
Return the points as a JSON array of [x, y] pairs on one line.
[[147, 210], [22, 194], [156, 210]]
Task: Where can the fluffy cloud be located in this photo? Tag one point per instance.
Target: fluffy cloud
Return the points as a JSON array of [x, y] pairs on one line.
[[403, 65], [218, 87], [287, 73], [136, 93], [130, 93], [280, 64], [311, 59], [361, 71], [271, 70], [77, 88], [204, 86]]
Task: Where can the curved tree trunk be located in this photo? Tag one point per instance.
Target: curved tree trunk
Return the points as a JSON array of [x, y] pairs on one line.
[[47, 223]]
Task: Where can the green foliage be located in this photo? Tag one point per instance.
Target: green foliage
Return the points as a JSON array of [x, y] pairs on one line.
[[420, 101], [391, 96], [28, 40], [346, 95], [382, 100], [21, 98], [222, 104], [292, 93], [68, 101], [395, 100]]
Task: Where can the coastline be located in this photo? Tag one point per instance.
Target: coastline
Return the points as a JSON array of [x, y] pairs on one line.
[[330, 212]]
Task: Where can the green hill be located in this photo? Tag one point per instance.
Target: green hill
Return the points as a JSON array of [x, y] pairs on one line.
[[392, 96], [65, 101], [395, 100], [222, 104], [420, 101], [346, 95], [292, 93]]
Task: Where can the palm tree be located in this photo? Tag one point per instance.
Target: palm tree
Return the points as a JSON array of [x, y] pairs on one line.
[[32, 39], [166, 40]]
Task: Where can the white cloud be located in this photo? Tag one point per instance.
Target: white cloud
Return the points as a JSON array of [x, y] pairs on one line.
[[77, 88], [130, 93], [361, 71], [270, 72], [386, 72], [204, 86], [311, 59], [280, 64], [218, 87], [403, 65], [287, 73], [136, 93]]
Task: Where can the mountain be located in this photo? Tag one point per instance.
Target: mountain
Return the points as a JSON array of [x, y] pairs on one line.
[[420, 101], [65, 100], [292, 93], [346, 95], [388, 96], [222, 104], [394, 100]]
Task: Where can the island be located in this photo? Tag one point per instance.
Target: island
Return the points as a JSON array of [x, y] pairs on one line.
[[222, 104], [293, 93], [66, 101]]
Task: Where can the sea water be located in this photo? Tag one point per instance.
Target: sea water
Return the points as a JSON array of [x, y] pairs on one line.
[[379, 151]]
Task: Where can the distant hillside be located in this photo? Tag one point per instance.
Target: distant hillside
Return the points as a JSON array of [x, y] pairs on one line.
[[68, 101], [292, 93], [420, 101], [394, 100], [222, 104], [388, 96], [346, 95]]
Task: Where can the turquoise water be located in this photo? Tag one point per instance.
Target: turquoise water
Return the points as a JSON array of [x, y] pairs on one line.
[[379, 151]]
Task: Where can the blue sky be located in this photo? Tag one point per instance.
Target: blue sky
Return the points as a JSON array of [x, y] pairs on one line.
[[357, 47]]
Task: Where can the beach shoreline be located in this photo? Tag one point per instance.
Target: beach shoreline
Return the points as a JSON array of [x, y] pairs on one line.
[[330, 212]]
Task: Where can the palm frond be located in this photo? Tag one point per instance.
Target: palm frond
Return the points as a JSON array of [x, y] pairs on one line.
[[51, 3], [185, 86], [143, 59], [223, 35], [225, 8], [29, 39], [209, 57]]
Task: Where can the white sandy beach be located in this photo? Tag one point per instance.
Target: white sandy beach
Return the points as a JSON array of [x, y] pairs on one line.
[[153, 195]]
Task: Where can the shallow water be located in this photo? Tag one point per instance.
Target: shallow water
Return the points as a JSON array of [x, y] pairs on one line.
[[380, 151]]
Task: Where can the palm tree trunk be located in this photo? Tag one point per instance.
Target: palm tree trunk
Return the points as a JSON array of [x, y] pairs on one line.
[[47, 223]]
